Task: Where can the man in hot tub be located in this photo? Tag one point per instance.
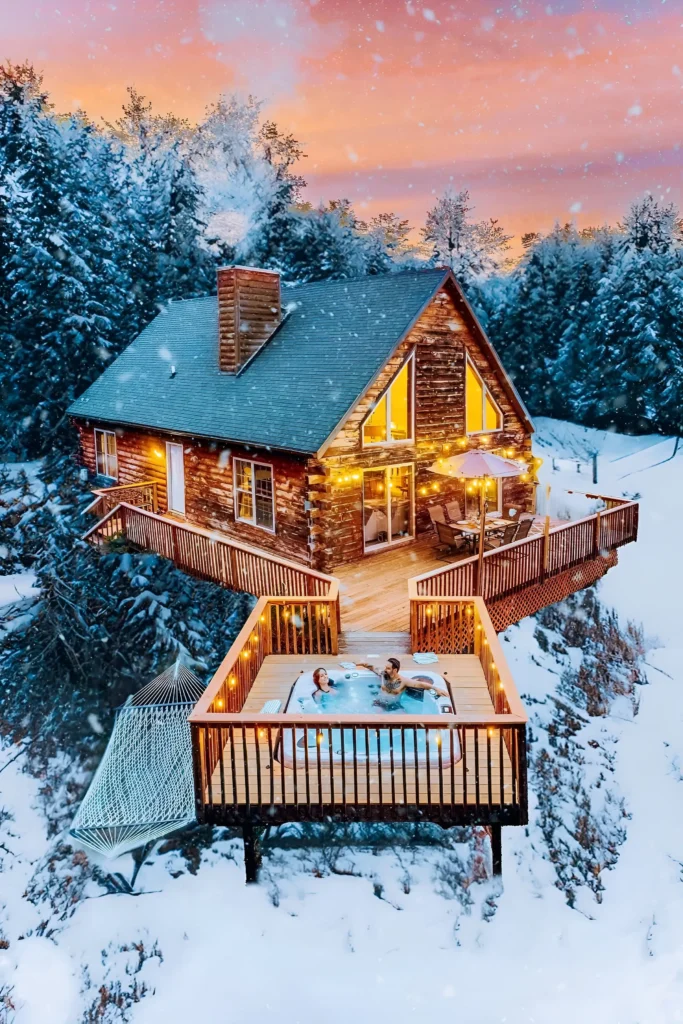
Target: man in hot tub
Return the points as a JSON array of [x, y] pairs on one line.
[[392, 683]]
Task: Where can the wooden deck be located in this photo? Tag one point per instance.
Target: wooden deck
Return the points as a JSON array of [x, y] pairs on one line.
[[373, 593], [463, 671], [471, 781]]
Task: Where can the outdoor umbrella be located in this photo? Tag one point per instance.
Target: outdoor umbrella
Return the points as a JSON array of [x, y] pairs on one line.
[[483, 466]]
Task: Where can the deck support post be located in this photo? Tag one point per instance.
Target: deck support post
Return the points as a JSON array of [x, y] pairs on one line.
[[496, 849], [252, 850]]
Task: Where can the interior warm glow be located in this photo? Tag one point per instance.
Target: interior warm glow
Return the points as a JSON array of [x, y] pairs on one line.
[[391, 419], [474, 395], [482, 413]]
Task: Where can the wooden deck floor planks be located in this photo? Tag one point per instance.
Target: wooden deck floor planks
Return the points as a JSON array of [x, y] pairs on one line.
[[373, 592], [271, 781]]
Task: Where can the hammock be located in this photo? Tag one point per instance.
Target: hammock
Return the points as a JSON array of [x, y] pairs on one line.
[[143, 787]]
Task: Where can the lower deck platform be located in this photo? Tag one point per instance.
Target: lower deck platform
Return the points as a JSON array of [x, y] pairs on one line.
[[467, 767]]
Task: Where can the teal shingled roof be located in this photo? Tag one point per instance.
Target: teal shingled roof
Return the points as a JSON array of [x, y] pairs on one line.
[[335, 339]]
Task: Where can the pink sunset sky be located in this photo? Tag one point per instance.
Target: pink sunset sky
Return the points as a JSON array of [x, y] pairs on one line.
[[545, 111]]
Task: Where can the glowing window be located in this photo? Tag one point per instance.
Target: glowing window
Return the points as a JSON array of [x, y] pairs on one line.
[[254, 494], [392, 418], [105, 454], [482, 413]]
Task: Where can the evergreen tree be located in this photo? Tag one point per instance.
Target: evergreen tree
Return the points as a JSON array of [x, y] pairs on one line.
[[65, 290], [452, 239]]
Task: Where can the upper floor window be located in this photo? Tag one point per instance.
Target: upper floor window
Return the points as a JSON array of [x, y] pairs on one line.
[[482, 412], [391, 421], [254, 494], [106, 461]]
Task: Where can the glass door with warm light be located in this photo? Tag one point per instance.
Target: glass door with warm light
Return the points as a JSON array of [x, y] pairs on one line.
[[388, 506]]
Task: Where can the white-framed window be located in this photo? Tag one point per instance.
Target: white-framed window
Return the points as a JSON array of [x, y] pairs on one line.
[[392, 419], [254, 494], [482, 412], [106, 460]]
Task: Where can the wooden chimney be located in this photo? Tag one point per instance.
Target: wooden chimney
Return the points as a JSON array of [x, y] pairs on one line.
[[249, 310]]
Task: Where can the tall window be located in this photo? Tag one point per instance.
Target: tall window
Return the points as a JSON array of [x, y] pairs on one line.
[[392, 418], [482, 413], [254, 494], [106, 461]]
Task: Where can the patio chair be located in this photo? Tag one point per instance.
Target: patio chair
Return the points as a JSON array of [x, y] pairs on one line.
[[509, 534], [449, 538], [513, 512], [453, 510], [437, 514], [524, 527]]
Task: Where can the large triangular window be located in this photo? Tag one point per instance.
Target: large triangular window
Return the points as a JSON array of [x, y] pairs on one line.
[[482, 412], [391, 420]]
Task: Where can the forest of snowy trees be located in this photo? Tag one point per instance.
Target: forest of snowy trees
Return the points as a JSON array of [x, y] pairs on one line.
[[101, 224]]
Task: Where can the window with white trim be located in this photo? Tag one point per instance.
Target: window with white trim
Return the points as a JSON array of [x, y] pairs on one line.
[[106, 459], [391, 421], [483, 414], [254, 494]]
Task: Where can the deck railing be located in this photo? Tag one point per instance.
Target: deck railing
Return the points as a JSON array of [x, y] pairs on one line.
[[142, 494], [452, 767], [213, 556], [510, 569], [277, 625]]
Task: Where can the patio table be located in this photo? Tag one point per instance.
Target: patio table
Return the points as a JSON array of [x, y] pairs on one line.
[[470, 528]]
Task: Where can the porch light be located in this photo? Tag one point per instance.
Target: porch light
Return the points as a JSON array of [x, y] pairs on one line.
[[219, 703], [245, 654], [232, 680], [501, 686], [262, 619], [158, 454], [423, 490]]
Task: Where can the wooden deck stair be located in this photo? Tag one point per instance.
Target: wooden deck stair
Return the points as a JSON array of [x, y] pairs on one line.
[[373, 643]]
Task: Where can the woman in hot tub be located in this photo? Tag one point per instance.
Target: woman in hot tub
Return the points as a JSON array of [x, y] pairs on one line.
[[392, 683], [324, 686]]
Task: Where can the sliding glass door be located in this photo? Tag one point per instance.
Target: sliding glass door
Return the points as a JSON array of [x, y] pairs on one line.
[[388, 496]]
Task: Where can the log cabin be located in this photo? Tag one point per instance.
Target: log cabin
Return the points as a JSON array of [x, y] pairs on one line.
[[265, 438], [304, 421]]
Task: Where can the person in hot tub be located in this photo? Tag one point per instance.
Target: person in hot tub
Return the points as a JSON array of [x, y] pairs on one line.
[[323, 686], [392, 683]]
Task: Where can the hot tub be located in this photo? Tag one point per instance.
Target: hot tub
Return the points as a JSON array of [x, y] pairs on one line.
[[355, 693]]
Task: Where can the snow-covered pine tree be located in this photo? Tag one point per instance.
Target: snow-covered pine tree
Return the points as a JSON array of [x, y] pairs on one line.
[[65, 288], [468, 247]]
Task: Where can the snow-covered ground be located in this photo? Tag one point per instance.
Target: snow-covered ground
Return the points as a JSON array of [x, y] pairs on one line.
[[387, 942]]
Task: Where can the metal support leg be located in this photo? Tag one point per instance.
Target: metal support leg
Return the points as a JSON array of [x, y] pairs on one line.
[[496, 849], [252, 850]]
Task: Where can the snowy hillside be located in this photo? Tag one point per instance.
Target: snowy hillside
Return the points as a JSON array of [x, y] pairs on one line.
[[585, 926]]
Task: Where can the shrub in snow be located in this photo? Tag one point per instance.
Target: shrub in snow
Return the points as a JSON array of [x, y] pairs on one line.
[[103, 626], [578, 808]]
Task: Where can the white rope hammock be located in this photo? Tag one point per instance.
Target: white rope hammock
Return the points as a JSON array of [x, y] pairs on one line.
[[143, 787]]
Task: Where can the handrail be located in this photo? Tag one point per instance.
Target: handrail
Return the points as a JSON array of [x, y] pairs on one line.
[[124, 487], [212, 537], [256, 619], [459, 568]]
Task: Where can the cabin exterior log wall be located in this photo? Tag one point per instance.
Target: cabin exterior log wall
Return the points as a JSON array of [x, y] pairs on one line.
[[209, 494], [318, 522], [440, 340]]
